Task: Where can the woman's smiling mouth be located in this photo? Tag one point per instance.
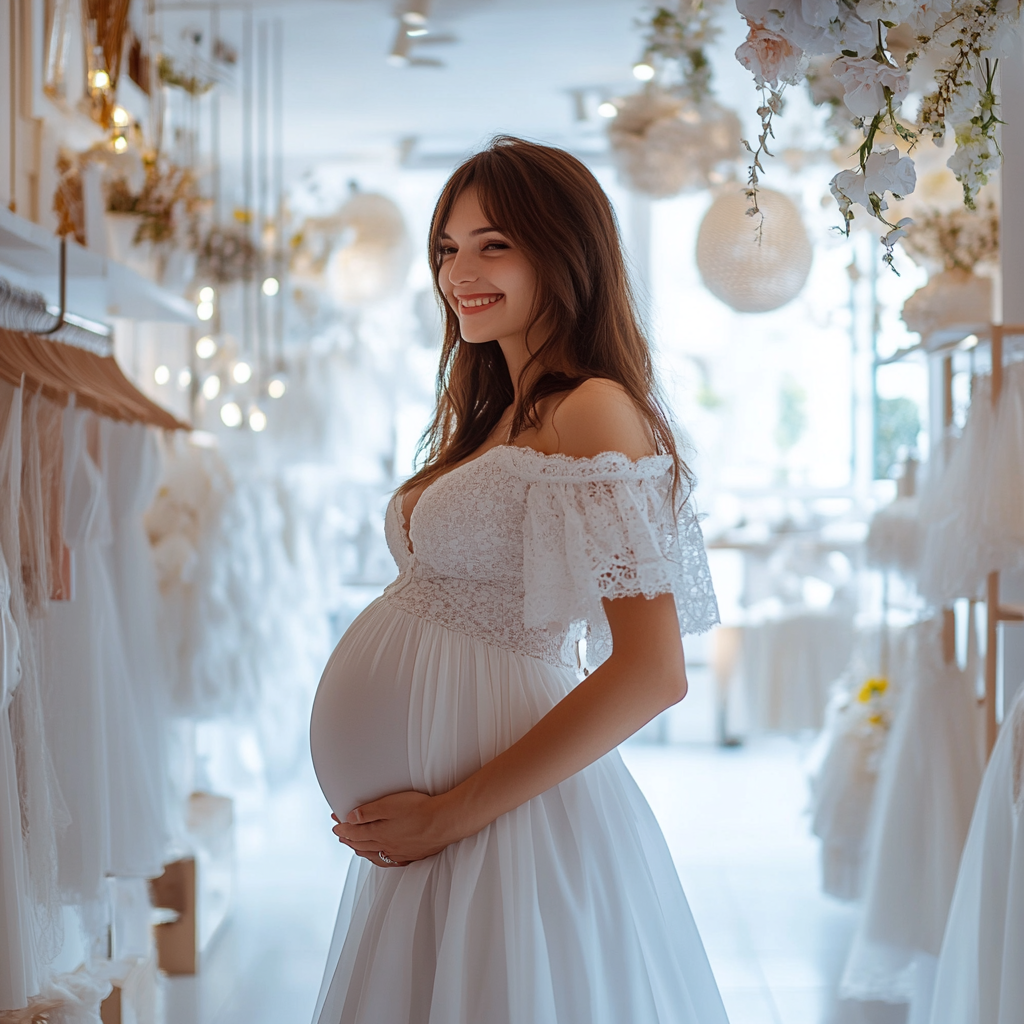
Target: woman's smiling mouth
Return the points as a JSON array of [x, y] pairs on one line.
[[469, 304]]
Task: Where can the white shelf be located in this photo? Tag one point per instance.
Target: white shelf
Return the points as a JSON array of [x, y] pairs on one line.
[[97, 287]]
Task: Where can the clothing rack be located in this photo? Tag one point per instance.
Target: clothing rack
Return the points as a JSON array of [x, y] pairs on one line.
[[997, 612], [60, 354]]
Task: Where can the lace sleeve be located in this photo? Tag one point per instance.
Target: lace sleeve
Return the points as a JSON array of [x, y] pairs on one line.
[[605, 528]]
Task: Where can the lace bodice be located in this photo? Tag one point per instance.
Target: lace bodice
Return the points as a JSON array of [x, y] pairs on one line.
[[518, 549]]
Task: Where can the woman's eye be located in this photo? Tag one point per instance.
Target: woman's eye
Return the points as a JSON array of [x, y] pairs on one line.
[[446, 250], [496, 245]]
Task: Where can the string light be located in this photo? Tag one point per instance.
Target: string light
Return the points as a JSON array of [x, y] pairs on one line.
[[120, 143], [231, 414], [204, 310], [119, 116], [99, 79], [241, 372], [276, 387], [211, 387], [207, 294], [162, 374], [271, 286], [257, 419], [643, 72], [206, 347], [607, 109], [184, 378]]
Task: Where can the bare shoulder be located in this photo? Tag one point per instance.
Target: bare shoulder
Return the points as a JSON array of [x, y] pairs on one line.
[[598, 416]]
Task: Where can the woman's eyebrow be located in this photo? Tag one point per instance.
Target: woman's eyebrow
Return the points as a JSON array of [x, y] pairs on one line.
[[474, 232]]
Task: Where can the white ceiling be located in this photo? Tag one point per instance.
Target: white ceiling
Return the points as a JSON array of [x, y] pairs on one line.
[[513, 70]]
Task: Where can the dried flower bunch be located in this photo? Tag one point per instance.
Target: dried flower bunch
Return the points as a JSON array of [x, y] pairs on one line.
[[955, 239], [677, 37], [227, 255], [169, 202], [962, 38]]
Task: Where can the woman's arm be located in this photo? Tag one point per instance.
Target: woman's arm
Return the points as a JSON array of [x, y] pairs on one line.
[[644, 675]]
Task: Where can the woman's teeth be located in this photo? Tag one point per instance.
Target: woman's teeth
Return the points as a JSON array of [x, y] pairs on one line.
[[480, 302]]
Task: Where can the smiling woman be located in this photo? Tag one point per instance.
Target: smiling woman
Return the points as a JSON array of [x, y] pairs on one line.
[[508, 869]]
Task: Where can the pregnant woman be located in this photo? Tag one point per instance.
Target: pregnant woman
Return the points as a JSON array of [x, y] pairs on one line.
[[509, 871]]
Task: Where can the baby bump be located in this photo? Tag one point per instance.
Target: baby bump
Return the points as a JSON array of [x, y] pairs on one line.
[[358, 732]]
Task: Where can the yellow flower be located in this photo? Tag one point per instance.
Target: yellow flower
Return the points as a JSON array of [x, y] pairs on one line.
[[872, 688]]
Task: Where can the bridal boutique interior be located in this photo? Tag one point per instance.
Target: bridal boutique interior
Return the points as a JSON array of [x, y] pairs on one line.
[[219, 341]]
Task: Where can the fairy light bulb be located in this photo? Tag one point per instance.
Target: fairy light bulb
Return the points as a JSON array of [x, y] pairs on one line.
[[607, 109], [99, 79], [184, 378], [276, 387], [162, 374], [204, 310], [206, 347], [643, 72], [271, 286], [207, 294], [242, 372], [211, 387], [120, 144], [119, 116], [231, 414], [257, 419]]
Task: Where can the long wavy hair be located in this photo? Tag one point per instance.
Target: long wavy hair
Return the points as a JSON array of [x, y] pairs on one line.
[[553, 209]]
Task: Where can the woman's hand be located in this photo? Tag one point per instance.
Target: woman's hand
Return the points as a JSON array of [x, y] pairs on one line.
[[403, 826]]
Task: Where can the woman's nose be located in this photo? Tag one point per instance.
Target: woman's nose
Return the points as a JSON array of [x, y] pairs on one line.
[[462, 268]]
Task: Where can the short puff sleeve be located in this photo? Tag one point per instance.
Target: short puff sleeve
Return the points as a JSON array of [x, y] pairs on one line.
[[607, 527]]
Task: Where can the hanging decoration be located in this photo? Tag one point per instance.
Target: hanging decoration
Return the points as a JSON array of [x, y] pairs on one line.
[[962, 39], [665, 144], [359, 255], [952, 245], [747, 274], [673, 136], [106, 26]]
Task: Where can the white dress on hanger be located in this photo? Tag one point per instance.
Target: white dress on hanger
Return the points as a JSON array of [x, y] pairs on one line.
[[979, 979], [926, 791], [131, 470], [568, 909], [17, 967], [957, 549], [138, 808], [74, 667]]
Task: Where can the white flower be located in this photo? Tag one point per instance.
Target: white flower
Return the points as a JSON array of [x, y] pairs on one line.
[[926, 17], [887, 171], [884, 172], [975, 158], [891, 237], [771, 57], [865, 79], [894, 11]]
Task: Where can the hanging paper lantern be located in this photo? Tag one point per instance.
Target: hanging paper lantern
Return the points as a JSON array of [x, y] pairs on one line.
[[748, 275], [371, 256], [664, 144]]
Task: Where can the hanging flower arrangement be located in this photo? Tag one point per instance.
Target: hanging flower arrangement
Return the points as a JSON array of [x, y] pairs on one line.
[[673, 136], [850, 40]]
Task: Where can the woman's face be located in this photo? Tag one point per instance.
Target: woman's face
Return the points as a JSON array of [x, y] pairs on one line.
[[487, 280]]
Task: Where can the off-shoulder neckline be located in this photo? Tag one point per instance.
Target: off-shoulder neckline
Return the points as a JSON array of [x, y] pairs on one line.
[[578, 462]]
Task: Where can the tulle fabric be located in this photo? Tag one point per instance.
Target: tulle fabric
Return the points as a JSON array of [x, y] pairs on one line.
[[926, 792], [979, 978], [567, 910], [26, 537], [957, 548], [17, 967]]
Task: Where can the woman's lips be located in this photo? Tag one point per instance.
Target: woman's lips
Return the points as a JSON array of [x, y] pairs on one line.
[[470, 310]]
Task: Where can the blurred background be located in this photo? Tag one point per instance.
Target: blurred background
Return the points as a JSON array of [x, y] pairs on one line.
[[246, 188]]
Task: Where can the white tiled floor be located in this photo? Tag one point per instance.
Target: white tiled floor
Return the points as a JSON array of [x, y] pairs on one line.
[[734, 820]]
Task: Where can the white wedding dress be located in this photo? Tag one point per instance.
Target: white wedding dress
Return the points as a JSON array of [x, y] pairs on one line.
[[568, 909]]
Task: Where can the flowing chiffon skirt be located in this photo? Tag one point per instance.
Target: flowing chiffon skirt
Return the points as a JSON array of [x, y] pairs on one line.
[[566, 910]]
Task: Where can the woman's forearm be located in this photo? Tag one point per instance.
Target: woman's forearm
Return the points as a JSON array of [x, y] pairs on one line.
[[645, 675]]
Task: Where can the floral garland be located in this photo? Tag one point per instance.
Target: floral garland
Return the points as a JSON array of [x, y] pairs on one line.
[[851, 36]]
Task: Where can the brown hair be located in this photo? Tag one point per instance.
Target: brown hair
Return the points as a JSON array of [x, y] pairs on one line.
[[553, 208]]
